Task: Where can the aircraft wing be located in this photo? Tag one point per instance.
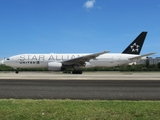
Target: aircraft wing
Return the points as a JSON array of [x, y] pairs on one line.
[[140, 56], [81, 60]]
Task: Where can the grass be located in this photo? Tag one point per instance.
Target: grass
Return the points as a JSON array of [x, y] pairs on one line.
[[13, 109]]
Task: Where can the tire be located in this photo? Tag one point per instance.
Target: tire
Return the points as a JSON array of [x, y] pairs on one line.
[[76, 72]]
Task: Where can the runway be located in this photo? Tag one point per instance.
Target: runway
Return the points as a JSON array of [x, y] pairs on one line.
[[84, 76], [80, 87]]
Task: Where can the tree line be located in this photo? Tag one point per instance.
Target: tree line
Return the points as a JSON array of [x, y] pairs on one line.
[[139, 67]]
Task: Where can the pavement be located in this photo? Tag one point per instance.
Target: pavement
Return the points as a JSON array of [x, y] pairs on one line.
[[88, 86], [84, 76]]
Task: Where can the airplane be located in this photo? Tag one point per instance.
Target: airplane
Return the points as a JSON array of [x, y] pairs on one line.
[[60, 62]]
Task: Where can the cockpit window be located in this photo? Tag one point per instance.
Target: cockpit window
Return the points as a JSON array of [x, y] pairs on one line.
[[8, 59]]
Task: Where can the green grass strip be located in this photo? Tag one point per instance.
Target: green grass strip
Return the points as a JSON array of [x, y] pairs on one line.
[[13, 109]]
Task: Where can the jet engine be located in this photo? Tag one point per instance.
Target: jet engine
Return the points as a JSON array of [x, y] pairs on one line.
[[55, 66], [87, 65]]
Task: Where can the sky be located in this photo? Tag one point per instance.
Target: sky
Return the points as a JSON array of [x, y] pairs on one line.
[[77, 26]]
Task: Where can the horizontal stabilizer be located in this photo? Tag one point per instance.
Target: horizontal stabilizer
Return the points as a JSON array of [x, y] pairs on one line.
[[141, 56]]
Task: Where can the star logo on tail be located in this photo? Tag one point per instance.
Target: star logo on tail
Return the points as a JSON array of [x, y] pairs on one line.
[[135, 47]]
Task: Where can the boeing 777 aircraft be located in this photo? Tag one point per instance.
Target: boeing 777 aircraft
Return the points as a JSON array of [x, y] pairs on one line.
[[59, 62]]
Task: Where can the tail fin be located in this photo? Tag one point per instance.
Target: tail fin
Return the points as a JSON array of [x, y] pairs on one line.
[[136, 46]]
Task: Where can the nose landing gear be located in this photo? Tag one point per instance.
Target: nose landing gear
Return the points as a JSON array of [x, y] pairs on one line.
[[16, 71]]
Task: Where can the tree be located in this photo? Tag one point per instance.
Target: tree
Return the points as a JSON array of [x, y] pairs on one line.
[[158, 65], [147, 63]]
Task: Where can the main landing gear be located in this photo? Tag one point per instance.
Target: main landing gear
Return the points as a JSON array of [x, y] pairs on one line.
[[76, 72]]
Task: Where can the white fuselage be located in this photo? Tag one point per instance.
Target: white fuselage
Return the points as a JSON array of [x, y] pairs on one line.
[[42, 60]]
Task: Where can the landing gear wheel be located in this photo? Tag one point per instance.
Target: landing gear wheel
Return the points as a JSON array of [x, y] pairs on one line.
[[16, 71], [73, 72], [67, 71], [76, 72]]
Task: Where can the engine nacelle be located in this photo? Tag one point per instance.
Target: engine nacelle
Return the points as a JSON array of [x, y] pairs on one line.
[[88, 65], [55, 66], [144, 58]]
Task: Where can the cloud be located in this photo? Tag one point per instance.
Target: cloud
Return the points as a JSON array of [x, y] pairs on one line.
[[89, 4]]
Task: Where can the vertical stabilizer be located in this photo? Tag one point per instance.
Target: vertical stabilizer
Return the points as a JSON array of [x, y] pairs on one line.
[[136, 46]]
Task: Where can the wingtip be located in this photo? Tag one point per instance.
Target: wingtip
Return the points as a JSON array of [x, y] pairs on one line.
[[153, 53]]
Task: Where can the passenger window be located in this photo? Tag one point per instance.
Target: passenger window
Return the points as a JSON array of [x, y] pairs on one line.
[[8, 59], [37, 62]]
